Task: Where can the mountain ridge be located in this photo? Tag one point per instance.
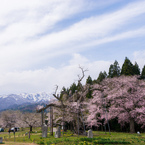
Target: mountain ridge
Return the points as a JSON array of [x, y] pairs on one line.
[[11, 100]]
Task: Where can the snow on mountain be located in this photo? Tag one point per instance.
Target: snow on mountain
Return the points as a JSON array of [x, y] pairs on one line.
[[36, 97], [18, 99]]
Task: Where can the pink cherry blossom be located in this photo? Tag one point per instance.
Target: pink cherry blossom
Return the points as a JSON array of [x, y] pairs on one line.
[[124, 98]]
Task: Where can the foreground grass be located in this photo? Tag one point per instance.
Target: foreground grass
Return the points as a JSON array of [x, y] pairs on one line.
[[68, 138]]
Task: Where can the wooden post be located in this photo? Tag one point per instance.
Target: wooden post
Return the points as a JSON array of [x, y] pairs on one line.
[[63, 123], [14, 136], [51, 120], [78, 117], [42, 118], [62, 118], [29, 134]]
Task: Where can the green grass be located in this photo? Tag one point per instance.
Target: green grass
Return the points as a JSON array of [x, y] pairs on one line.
[[100, 138]]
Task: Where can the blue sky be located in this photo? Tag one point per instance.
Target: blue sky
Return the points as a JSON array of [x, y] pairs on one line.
[[42, 43]]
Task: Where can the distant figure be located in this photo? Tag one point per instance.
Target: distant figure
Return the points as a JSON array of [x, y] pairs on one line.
[[9, 130]]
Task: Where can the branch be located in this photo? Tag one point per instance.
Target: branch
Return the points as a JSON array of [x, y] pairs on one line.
[[56, 89], [49, 105], [55, 93], [83, 74]]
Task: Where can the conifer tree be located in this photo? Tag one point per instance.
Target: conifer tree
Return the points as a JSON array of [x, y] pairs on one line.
[[114, 70], [127, 68], [143, 73], [89, 80], [89, 94], [101, 77], [64, 90], [73, 87], [136, 69]]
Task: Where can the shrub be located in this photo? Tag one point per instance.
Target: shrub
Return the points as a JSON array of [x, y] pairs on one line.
[[41, 143]]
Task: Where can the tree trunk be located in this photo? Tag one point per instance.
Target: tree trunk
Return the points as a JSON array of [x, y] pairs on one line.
[[30, 128], [102, 127], [62, 119], [75, 129], [132, 130]]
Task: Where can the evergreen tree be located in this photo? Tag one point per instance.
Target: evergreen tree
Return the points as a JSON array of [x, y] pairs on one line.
[[73, 87], [136, 69], [89, 94], [89, 80], [110, 73], [114, 70], [64, 90], [101, 77], [127, 68], [143, 73]]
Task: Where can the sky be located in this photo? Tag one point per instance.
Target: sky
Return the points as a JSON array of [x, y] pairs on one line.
[[43, 43]]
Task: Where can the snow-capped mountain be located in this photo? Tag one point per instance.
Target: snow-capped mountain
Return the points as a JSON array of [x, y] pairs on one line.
[[17, 99]]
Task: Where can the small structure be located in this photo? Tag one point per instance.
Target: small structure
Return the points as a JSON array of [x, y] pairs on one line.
[[58, 133], [1, 140], [44, 130], [90, 134]]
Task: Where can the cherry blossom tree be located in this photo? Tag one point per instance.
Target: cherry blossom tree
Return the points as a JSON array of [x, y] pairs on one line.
[[124, 98], [10, 118], [31, 119], [71, 105], [73, 112]]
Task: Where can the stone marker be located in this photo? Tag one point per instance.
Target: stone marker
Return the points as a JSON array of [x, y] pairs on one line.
[[90, 134], [44, 130], [85, 133], [58, 133], [138, 133], [1, 140]]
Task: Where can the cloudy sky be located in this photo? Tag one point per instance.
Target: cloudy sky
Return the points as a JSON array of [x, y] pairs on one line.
[[42, 43]]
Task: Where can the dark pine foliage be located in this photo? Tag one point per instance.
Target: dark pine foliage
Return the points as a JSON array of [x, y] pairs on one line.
[[127, 68], [114, 70]]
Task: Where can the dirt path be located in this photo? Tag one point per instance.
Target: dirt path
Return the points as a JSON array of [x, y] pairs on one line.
[[18, 143]]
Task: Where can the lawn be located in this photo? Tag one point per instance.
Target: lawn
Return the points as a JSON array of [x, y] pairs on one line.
[[99, 138]]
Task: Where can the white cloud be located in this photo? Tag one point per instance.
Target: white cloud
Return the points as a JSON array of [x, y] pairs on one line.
[[44, 80], [78, 59], [21, 51], [28, 37]]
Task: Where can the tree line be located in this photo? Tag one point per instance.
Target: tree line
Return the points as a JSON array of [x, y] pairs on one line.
[[10, 118], [124, 100], [128, 69], [119, 98]]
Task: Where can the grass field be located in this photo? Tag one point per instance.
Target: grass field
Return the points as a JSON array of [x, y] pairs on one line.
[[100, 138]]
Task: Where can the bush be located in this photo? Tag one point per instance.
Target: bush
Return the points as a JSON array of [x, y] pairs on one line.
[[41, 143], [101, 141]]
